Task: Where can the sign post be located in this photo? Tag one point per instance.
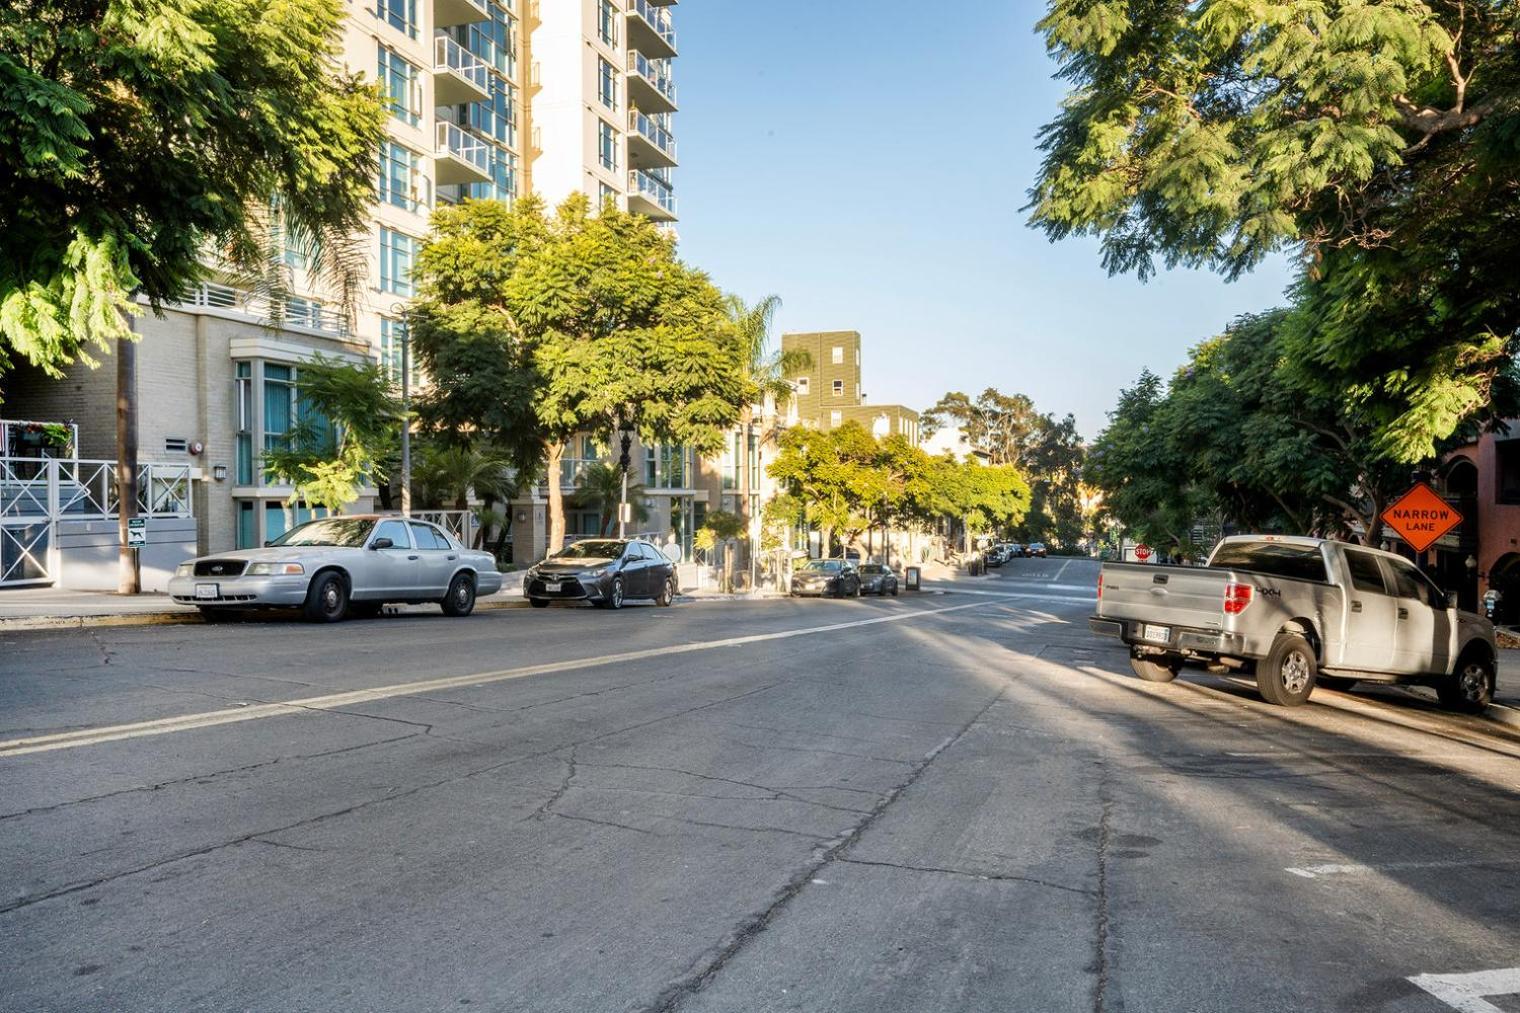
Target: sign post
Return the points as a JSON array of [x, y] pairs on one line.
[[1420, 517]]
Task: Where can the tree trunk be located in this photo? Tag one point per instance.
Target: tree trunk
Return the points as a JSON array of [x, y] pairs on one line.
[[128, 578], [554, 452]]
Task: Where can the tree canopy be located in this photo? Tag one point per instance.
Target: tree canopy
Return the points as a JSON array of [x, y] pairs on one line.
[[580, 323], [1380, 141], [138, 137]]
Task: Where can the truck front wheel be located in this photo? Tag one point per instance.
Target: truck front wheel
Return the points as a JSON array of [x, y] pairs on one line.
[[1285, 677], [1471, 689], [1155, 667]]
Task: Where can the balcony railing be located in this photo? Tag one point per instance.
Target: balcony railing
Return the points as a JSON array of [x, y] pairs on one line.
[[461, 76], [310, 314], [655, 72], [647, 185], [646, 127], [467, 152], [657, 19]]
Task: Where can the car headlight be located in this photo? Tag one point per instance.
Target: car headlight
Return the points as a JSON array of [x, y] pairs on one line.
[[600, 571], [185, 570], [274, 569]]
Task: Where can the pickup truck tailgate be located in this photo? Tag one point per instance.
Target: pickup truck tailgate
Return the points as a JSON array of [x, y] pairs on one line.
[[1172, 596]]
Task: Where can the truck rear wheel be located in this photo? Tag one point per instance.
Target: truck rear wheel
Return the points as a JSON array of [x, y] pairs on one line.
[[1285, 677], [1155, 667]]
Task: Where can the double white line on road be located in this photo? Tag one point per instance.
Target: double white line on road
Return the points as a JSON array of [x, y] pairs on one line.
[[338, 701]]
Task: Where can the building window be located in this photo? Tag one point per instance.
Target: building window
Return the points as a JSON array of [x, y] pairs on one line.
[[393, 335], [243, 440], [835, 417], [397, 252], [839, 388], [606, 83], [802, 385], [836, 355], [606, 22], [605, 195], [247, 526], [399, 14], [731, 462], [607, 145], [1507, 457], [401, 179], [279, 405], [400, 88]]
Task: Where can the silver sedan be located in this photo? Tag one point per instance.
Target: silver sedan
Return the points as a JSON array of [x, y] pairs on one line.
[[340, 566]]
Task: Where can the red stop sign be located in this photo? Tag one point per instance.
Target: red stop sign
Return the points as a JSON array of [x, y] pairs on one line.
[[1142, 552]]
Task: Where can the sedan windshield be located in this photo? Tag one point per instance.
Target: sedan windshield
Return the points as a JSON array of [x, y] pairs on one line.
[[344, 532], [594, 548], [872, 568], [822, 566]]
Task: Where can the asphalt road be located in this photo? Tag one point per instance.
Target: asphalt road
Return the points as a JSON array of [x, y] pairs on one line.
[[957, 801]]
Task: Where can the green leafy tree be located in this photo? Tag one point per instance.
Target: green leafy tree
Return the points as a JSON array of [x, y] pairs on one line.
[[137, 138], [589, 321], [833, 474], [1000, 425], [1053, 466], [766, 367], [1376, 139], [347, 425]]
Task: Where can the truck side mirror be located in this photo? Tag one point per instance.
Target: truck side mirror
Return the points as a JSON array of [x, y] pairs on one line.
[[1451, 599]]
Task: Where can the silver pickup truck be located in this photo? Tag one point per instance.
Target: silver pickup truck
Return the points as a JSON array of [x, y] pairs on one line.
[[1299, 611]]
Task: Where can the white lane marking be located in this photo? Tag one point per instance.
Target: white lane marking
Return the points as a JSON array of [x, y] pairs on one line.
[[1060, 571], [1465, 992], [334, 701], [1332, 869]]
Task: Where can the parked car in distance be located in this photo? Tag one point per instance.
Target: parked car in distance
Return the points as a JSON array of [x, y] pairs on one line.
[[607, 572], [1035, 549], [335, 567], [995, 556], [1301, 612], [826, 578], [878, 580], [1014, 550]]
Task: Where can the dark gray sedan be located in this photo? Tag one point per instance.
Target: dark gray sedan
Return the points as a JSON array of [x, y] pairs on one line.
[[878, 580], [831, 578], [607, 572]]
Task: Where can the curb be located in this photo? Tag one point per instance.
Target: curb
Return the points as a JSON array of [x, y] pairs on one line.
[[26, 623]]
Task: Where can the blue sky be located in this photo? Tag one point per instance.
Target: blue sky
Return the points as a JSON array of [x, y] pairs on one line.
[[867, 163]]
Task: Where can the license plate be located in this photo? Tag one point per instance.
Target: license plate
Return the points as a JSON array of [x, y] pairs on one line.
[[207, 591], [551, 585], [1161, 634]]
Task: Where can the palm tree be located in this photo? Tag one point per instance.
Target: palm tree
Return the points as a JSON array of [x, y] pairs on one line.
[[599, 487], [452, 472], [769, 368]]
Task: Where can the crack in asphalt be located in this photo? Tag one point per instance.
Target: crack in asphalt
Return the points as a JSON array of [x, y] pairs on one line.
[[775, 794], [996, 877], [202, 778], [704, 971], [1101, 929]]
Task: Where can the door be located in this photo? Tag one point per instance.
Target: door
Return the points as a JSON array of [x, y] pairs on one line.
[[1371, 624], [391, 573], [1423, 644], [636, 570], [436, 562]]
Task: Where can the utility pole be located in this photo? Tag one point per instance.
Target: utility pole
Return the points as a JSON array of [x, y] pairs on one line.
[[625, 441], [129, 577]]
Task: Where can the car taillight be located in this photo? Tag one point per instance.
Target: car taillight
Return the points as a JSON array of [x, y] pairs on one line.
[[1236, 598]]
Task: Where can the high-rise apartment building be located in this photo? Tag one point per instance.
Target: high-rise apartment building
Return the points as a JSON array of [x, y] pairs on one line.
[[487, 99]]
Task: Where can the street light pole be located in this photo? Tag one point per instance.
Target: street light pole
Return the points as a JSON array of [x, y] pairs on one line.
[[406, 419], [625, 439]]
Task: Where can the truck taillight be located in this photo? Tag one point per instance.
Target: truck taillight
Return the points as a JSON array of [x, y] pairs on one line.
[[1100, 587], [1236, 598]]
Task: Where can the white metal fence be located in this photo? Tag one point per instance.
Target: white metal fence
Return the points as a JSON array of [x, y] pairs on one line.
[[38, 492]]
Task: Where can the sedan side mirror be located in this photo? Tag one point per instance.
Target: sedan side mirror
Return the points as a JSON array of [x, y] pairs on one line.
[[381, 543]]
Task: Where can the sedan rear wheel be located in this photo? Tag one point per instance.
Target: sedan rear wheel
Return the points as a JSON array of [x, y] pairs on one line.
[[667, 594], [327, 598], [539, 603], [460, 601]]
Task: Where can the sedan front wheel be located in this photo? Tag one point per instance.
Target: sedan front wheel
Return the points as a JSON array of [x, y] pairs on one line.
[[327, 598]]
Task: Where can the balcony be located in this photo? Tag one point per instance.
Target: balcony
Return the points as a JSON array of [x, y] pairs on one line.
[[650, 197], [650, 30], [649, 144], [448, 13], [649, 83], [459, 157], [458, 76]]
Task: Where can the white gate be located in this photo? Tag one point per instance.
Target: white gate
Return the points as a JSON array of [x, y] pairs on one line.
[[38, 492]]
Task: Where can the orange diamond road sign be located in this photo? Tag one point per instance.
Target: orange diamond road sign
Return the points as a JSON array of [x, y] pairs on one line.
[[1420, 517]]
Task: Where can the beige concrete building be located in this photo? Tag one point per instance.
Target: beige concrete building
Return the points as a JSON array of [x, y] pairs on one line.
[[488, 99], [828, 393]]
